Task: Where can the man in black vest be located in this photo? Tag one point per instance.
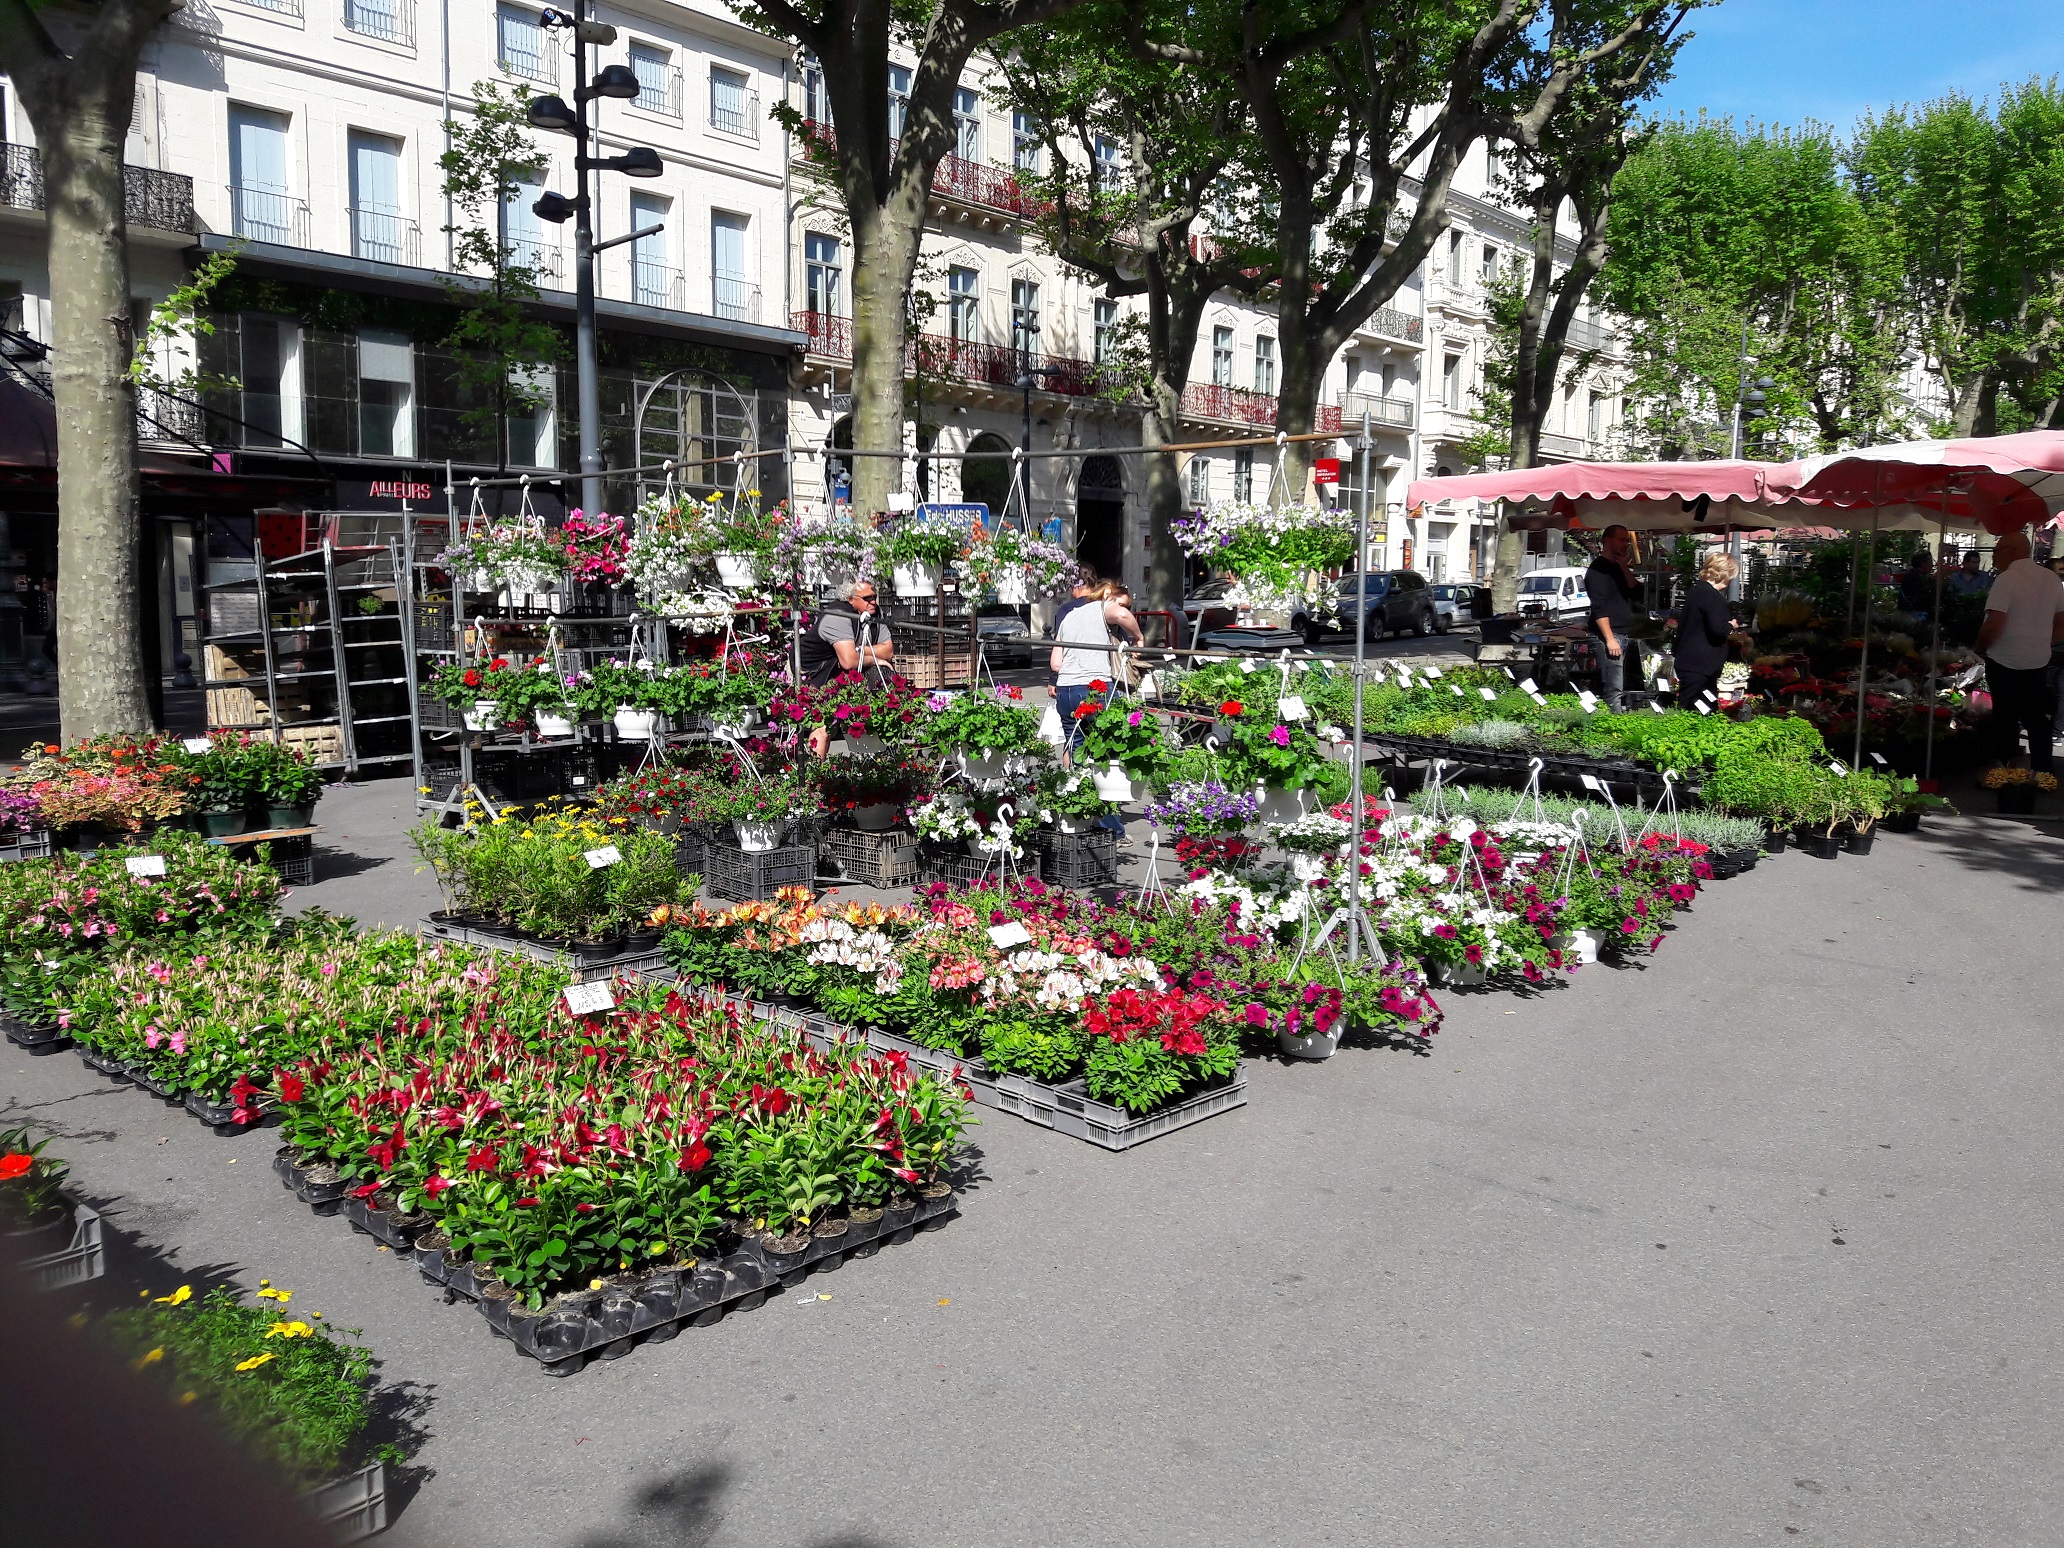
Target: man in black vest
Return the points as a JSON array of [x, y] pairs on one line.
[[848, 635], [1610, 585]]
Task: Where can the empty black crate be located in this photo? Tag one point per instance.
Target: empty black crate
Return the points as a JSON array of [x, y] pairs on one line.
[[1080, 859], [741, 877], [876, 859], [938, 864]]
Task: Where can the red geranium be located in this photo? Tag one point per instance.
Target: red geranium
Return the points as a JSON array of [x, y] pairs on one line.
[[15, 1164], [1232, 707]]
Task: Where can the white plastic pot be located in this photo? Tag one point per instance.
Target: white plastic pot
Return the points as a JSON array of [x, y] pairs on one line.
[[1076, 824], [1317, 1045], [983, 765], [915, 580], [636, 725], [1462, 975], [1113, 783], [1278, 805], [1012, 590], [865, 746], [737, 572], [485, 715], [552, 724], [756, 838], [877, 818]]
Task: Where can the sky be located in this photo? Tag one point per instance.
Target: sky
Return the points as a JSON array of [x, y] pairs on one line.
[[1785, 61]]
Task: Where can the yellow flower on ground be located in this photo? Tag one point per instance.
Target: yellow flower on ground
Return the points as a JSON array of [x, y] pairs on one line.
[[178, 1297], [152, 1358], [281, 1296], [253, 1363], [289, 1330]]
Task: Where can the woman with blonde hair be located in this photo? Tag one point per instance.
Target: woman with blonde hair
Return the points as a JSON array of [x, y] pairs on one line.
[[1703, 630]]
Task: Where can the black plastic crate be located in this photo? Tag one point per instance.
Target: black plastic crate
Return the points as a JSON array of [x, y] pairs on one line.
[[1080, 859], [691, 851], [871, 859], [739, 877], [938, 864], [26, 846]]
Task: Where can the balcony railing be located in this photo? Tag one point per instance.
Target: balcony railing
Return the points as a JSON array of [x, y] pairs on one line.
[[528, 54], [734, 297], [1394, 413], [967, 182], [268, 215], [385, 236], [1228, 405], [541, 258], [1571, 448], [828, 335], [659, 91], [1389, 323], [278, 7], [656, 284], [391, 21], [1586, 334], [162, 418], [161, 200], [962, 360], [735, 112]]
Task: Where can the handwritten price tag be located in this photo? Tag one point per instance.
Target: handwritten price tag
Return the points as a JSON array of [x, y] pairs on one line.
[[607, 855], [145, 865], [1005, 936], [197, 745], [589, 999], [1291, 707]]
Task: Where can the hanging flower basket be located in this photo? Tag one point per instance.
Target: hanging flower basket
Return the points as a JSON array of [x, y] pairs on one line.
[[915, 580], [757, 838], [1112, 782], [738, 572], [485, 715], [636, 725]]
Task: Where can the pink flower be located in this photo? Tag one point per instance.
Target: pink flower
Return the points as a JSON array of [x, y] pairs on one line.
[[151, 1039], [1280, 735], [179, 1041], [1134, 718]]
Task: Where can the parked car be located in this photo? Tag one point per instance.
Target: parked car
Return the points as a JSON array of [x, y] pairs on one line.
[[1395, 600], [1005, 639], [1554, 593], [1453, 602]]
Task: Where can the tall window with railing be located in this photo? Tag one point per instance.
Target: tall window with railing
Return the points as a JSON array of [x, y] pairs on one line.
[[964, 304], [1455, 258], [824, 274], [391, 21], [732, 291], [1221, 357], [378, 230], [1025, 318], [899, 100], [260, 208], [659, 83], [733, 103], [1200, 479], [1028, 149], [1265, 365], [524, 242], [967, 124], [1243, 473], [816, 103], [1104, 334], [521, 46], [1453, 381], [652, 272]]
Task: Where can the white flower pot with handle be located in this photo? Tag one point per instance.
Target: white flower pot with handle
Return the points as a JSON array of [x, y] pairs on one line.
[[1012, 589], [1073, 825], [1462, 975], [481, 580], [1316, 1045], [1278, 805], [865, 746], [636, 725], [1112, 783], [737, 572], [756, 838], [485, 715], [915, 580], [983, 765], [1586, 943], [876, 817], [551, 723]]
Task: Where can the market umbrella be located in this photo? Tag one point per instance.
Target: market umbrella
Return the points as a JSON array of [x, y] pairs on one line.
[[1999, 482], [1650, 496]]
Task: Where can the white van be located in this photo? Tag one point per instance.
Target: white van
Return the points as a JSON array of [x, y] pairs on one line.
[[1555, 593]]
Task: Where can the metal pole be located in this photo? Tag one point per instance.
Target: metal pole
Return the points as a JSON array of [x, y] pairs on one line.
[[1361, 646], [1863, 661], [1741, 388], [1025, 467], [1935, 649], [586, 370]]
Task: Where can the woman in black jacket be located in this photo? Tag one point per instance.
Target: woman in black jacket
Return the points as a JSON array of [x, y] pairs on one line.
[[1703, 630]]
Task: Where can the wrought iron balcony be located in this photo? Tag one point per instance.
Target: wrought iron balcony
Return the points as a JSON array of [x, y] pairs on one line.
[[391, 21], [829, 335], [733, 112], [542, 258], [385, 236], [1389, 323], [1393, 413], [950, 359], [268, 215], [974, 183], [657, 284], [162, 201]]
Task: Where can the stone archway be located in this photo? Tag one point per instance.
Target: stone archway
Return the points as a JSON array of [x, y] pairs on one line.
[[1100, 517]]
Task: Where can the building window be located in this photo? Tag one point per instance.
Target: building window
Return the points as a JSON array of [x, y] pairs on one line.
[[963, 304], [1243, 474], [1027, 149], [1490, 264], [824, 274], [1265, 365], [377, 228], [1451, 383], [659, 83], [524, 242], [1025, 317], [899, 100], [386, 392], [733, 107], [816, 104], [654, 279], [1455, 258], [967, 124], [1107, 155], [1221, 357], [260, 208], [1105, 334], [1594, 418], [521, 47], [1200, 480], [735, 295], [391, 21]]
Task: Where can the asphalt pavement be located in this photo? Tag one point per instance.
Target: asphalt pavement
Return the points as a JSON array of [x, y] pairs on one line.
[[1756, 1241]]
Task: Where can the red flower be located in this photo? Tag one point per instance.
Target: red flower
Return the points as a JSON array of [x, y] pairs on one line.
[[695, 1158], [15, 1164], [365, 1192], [1098, 685], [291, 1087], [470, 677], [435, 1186], [1232, 707]]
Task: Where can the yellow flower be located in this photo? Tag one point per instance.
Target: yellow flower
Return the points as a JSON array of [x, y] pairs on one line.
[[186, 1398], [289, 1330], [281, 1296], [152, 1358], [264, 1284], [253, 1363], [178, 1297]]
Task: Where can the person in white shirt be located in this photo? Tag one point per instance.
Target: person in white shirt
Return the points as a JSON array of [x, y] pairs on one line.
[[2024, 617]]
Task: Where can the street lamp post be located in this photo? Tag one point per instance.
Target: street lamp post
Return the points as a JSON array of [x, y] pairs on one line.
[[1751, 395], [552, 113]]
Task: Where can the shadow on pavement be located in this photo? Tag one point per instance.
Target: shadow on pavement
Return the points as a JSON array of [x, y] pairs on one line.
[[2029, 853], [684, 1511]]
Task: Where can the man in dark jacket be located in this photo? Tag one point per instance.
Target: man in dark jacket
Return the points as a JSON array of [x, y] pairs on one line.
[[1610, 584]]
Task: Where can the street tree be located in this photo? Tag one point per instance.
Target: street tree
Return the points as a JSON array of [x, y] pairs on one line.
[[75, 73]]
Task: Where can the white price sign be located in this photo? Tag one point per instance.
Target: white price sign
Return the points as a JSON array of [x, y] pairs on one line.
[[1488, 696], [608, 854], [579, 780], [1538, 698], [1005, 936], [1655, 706], [1588, 699], [1878, 759], [1431, 671], [1527, 685], [1290, 707], [1457, 692], [1591, 783], [589, 999], [197, 745], [146, 865], [1704, 708], [1840, 768], [1247, 666]]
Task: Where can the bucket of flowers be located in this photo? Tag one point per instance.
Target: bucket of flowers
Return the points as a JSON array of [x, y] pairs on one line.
[[1013, 567], [741, 540], [1071, 797], [672, 538], [1207, 820], [1119, 739], [534, 691], [1275, 553], [1284, 760], [984, 822], [635, 697], [984, 730], [594, 546], [823, 552], [1314, 843], [761, 811], [869, 709], [474, 689], [917, 556]]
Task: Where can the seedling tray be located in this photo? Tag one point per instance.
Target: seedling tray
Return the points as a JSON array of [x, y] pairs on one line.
[[352, 1507], [36, 1037], [583, 969]]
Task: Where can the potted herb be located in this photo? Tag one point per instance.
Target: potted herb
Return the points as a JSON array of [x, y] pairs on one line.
[[2016, 789], [760, 810], [1866, 797], [1906, 804], [917, 556], [1120, 740]]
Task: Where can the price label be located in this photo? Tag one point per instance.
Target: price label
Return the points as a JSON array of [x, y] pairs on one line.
[[197, 745], [1290, 707], [1431, 671], [1655, 706], [579, 780], [1588, 699], [1005, 936], [1704, 708], [1591, 783], [608, 854], [1878, 759], [1457, 692], [1488, 696], [1538, 698], [589, 999], [145, 865], [1509, 673], [1247, 666], [1527, 685], [1840, 768]]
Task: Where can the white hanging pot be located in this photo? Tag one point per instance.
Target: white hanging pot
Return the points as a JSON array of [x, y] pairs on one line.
[[865, 746], [756, 838], [982, 765], [737, 572], [1316, 1045], [1012, 589], [1278, 805], [485, 715], [915, 580], [1462, 975], [1073, 825], [1586, 944], [551, 723], [481, 580], [878, 817], [635, 725], [1112, 783]]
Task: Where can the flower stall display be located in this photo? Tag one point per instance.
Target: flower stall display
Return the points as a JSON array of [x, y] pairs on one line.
[[1283, 760], [515, 558], [822, 551], [761, 811], [986, 822], [871, 710], [2016, 789], [1275, 553], [917, 556], [1207, 820], [1013, 568], [984, 730], [106, 784], [593, 548], [1071, 800], [20, 814]]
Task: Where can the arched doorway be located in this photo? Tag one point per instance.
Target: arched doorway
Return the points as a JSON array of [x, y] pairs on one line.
[[1100, 517], [986, 480]]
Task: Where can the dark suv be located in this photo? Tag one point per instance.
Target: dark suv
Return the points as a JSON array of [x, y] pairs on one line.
[[1397, 600]]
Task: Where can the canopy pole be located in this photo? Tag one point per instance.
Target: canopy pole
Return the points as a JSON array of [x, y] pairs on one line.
[[1863, 662], [1361, 653], [1935, 647]]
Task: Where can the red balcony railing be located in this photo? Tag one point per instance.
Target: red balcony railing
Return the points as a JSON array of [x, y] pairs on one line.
[[1243, 406], [970, 182], [962, 360], [829, 335]]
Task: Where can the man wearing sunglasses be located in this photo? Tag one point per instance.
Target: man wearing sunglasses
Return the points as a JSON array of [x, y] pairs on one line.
[[848, 635]]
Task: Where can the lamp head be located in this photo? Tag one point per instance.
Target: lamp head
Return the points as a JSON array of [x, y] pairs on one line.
[[551, 113], [615, 81], [556, 208], [639, 161]]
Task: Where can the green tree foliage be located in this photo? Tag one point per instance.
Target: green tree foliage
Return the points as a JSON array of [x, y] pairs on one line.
[[504, 348]]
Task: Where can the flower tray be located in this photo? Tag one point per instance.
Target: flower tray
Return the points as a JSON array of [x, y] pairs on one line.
[[585, 970], [883, 859], [36, 1037], [1079, 860], [938, 864], [84, 1259], [34, 845], [741, 876], [352, 1507]]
